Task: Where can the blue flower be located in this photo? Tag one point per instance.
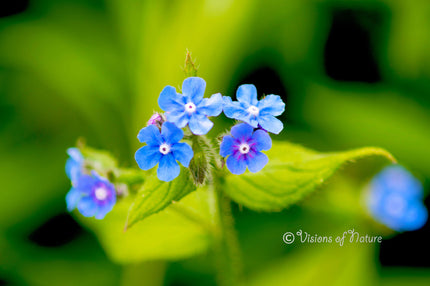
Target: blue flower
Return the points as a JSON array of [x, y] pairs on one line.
[[395, 199], [74, 164], [244, 148], [93, 195], [163, 148], [190, 107], [256, 113]]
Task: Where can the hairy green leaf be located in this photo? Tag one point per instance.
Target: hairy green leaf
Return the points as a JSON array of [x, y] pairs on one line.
[[156, 195], [292, 173], [177, 232]]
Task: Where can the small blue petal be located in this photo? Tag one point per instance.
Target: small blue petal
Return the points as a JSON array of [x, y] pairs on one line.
[[105, 209], [242, 132], [270, 124], [271, 105], [168, 169], [183, 153], [257, 162], [193, 88], [233, 109], [72, 198], [397, 178], [87, 207], [416, 217], [200, 124], [211, 106], [262, 140], [170, 100], [247, 93], [85, 184], [236, 165], [171, 133], [227, 146], [150, 135], [74, 164], [180, 118], [75, 154], [147, 157]]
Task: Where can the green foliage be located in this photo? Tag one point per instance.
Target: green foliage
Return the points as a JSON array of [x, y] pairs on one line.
[[292, 173], [174, 233], [156, 195]]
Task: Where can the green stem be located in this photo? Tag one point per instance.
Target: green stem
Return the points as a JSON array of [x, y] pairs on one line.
[[227, 252]]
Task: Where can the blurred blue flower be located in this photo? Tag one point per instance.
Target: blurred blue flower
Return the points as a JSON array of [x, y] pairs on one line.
[[190, 107], [256, 113], [93, 195], [244, 148], [395, 199], [163, 148], [74, 164]]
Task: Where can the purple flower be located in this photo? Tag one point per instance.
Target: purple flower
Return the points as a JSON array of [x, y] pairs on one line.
[[156, 119], [190, 107], [93, 195], [395, 199], [74, 164], [256, 113], [163, 149], [244, 148]]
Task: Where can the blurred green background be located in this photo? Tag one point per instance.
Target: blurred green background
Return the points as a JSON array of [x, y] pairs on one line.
[[352, 73]]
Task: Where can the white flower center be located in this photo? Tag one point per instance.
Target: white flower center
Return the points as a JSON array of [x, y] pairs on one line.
[[253, 110], [244, 148], [190, 107], [164, 149], [100, 193]]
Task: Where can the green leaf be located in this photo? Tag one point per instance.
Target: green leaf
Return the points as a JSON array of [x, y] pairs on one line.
[[179, 231], [292, 173], [156, 195]]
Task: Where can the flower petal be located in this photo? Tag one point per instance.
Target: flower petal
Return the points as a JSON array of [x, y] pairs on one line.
[[147, 157], [270, 124], [150, 135], [168, 169], [242, 131], [170, 100], [183, 153], [262, 140], [415, 217], [271, 104], [103, 210], [193, 88], [236, 165], [72, 198], [234, 109], [85, 184], [75, 154], [200, 124], [247, 93], [227, 146], [87, 207], [171, 133], [211, 106], [180, 118], [257, 162]]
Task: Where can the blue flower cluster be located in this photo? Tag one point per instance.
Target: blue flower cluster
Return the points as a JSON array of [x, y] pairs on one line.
[[91, 194], [190, 108], [395, 199]]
